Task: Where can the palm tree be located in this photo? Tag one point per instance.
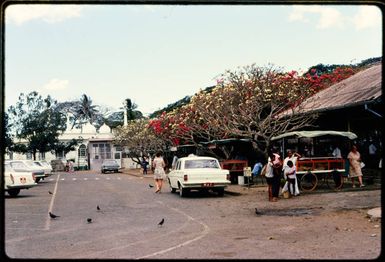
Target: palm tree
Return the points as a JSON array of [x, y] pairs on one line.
[[130, 107], [84, 111]]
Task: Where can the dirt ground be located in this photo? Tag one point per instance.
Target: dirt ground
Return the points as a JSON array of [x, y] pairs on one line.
[[323, 224]]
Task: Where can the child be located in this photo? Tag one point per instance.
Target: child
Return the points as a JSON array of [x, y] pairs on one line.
[[290, 172], [144, 166]]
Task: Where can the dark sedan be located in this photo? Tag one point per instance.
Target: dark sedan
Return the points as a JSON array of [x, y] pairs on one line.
[[110, 165]]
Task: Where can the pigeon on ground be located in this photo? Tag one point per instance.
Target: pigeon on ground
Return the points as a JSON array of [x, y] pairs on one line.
[[53, 215], [98, 208], [257, 212], [49, 192], [89, 220], [161, 222], [150, 185]]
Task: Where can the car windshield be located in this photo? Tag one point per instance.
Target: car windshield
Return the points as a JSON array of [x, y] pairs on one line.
[[201, 163], [18, 165], [110, 162], [43, 163], [37, 163], [32, 164]]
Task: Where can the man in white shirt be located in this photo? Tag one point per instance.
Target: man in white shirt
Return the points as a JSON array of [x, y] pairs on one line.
[[293, 157], [337, 152]]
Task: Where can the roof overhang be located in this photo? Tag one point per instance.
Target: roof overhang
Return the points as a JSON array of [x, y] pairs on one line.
[[318, 133]]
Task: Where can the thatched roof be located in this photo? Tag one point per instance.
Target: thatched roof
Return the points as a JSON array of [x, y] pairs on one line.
[[361, 88]]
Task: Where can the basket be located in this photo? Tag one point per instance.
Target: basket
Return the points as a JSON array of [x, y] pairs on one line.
[[286, 194]]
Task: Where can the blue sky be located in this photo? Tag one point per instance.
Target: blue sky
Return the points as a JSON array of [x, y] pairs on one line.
[[157, 54]]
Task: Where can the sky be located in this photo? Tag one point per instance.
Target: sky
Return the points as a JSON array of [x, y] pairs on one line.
[[158, 54]]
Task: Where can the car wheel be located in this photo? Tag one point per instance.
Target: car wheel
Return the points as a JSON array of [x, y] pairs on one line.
[[221, 191], [13, 192], [183, 191], [173, 190], [37, 179], [102, 171]]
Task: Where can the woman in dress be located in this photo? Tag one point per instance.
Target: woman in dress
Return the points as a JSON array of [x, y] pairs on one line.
[[355, 165], [158, 165]]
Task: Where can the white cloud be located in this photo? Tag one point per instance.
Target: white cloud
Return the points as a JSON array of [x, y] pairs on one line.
[[367, 16], [328, 16], [19, 14], [56, 84]]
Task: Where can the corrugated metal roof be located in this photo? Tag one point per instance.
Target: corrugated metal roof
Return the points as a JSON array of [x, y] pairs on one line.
[[365, 86]]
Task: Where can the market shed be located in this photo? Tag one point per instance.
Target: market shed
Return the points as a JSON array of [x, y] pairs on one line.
[[355, 105]]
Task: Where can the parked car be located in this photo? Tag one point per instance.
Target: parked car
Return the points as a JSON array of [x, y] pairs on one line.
[[15, 181], [198, 173], [27, 166], [45, 166], [110, 165], [58, 165]]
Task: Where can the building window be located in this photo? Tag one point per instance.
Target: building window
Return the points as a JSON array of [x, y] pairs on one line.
[[101, 151], [59, 154], [108, 151], [82, 151]]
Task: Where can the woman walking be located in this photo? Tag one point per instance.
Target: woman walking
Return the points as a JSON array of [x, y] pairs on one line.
[[158, 165]]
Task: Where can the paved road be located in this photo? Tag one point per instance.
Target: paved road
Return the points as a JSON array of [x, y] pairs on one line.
[[199, 226]]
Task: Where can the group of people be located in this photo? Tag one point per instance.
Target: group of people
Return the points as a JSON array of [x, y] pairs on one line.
[[275, 169]]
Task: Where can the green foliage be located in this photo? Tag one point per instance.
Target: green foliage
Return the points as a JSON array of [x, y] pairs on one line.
[[66, 147], [36, 121], [8, 143], [321, 69]]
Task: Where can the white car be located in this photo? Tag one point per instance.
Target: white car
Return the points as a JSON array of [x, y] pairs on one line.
[[45, 166], [15, 181], [27, 166], [198, 173]]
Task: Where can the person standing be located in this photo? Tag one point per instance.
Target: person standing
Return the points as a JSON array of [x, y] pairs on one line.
[[290, 173], [372, 149], [70, 166], [256, 170], [355, 166], [269, 176], [158, 165], [293, 157], [277, 169], [337, 152], [144, 165]]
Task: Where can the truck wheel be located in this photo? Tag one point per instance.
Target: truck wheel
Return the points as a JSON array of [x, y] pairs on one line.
[[13, 192]]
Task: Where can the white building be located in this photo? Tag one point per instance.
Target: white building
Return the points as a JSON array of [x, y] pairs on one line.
[[96, 145]]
